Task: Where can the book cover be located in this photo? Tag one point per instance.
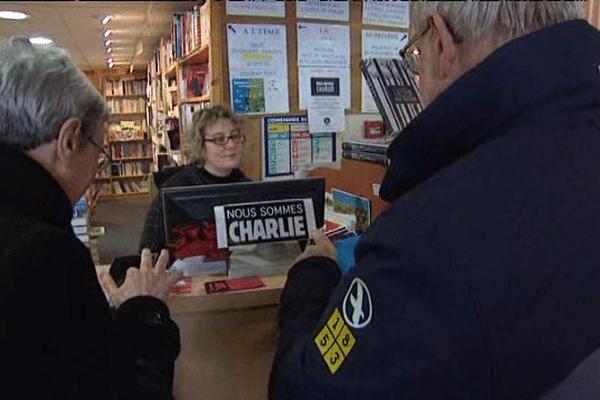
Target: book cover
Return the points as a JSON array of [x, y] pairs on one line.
[[194, 81], [351, 204], [394, 90]]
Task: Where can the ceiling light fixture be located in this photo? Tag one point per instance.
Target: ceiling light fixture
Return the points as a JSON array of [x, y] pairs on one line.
[[107, 32], [40, 40], [109, 50], [13, 15], [106, 19], [108, 42]]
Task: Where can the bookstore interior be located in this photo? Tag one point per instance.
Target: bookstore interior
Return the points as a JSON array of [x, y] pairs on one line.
[[317, 85]]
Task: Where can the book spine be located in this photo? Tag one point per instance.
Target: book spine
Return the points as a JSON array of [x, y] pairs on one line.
[[364, 148], [363, 156]]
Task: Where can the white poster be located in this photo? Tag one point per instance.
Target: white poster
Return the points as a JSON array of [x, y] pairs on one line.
[[258, 70], [306, 83], [379, 44], [321, 45], [318, 9], [326, 114], [263, 8], [387, 13]]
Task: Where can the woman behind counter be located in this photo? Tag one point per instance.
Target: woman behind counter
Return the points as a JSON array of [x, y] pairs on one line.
[[215, 148]]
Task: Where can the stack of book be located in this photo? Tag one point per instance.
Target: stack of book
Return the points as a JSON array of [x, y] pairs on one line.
[[80, 222], [336, 231], [371, 151]]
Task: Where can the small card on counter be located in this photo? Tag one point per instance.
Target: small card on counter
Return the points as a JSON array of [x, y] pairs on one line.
[[183, 286], [230, 285]]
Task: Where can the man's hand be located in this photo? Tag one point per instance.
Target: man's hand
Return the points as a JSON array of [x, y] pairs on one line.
[[145, 281], [318, 245]]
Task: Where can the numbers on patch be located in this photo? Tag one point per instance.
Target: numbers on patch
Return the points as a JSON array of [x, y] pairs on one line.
[[346, 340], [335, 341], [337, 321], [335, 358]]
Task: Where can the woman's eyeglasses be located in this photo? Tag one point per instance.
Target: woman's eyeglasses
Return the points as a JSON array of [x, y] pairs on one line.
[[222, 140]]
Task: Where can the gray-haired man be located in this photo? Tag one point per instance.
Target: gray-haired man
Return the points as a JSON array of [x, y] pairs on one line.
[[58, 338]]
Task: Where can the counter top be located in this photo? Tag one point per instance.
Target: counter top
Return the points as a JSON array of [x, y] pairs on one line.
[[198, 301]]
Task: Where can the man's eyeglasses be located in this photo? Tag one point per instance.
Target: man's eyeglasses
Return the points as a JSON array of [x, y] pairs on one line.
[[411, 58], [104, 157], [222, 140]]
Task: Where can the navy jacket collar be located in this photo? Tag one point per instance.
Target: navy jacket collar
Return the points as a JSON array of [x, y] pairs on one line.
[[537, 75], [29, 190]]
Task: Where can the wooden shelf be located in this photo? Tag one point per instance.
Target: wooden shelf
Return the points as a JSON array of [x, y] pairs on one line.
[[128, 116], [171, 71], [128, 194], [131, 176], [132, 159], [128, 140], [199, 56], [127, 96], [200, 99]]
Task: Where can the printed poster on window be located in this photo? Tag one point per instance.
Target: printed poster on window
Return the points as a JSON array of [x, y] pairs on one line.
[[263, 8], [258, 69], [318, 9], [379, 44], [264, 222], [288, 146], [335, 79], [321, 45], [387, 13]]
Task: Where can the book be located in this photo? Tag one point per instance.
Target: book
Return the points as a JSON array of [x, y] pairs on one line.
[[205, 22], [365, 156], [365, 147], [193, 81], [351, 204], [80, 229], [394, 90], [79, 221]]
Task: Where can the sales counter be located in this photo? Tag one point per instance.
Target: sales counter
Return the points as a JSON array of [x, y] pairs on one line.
[[228, 340]]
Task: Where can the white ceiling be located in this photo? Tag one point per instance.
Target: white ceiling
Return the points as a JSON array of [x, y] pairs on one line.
[[75, 26]]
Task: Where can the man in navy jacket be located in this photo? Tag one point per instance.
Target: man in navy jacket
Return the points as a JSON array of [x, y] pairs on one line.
[[482, 281]]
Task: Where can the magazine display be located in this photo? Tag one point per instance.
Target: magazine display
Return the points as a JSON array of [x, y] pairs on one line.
[[241, 229], [394, 90]]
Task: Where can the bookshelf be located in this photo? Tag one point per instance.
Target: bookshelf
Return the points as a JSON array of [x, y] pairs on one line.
[[127, 142], [183, 77]]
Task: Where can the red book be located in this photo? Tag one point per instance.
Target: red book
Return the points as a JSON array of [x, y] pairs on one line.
[[194, 80]]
